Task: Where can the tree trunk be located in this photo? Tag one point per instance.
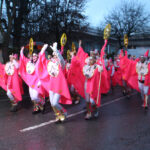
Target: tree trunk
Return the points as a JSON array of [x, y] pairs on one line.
[[5, 53]]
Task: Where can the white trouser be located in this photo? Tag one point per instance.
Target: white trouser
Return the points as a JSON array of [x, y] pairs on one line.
[[10, 96], [34, 95], [54, 100], [144, 89], [87, 95]]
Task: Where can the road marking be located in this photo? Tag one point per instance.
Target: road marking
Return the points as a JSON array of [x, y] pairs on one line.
[[71, 115]]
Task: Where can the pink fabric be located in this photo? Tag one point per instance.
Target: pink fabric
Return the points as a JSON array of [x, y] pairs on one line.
[[93, 86], [75, 74], [131, 75], [62, 50], [118, 76], [146, 54], [30, 79], [56, 84], [104, 82], [2, 77], [93, 83], [78, 79], [14, 84]]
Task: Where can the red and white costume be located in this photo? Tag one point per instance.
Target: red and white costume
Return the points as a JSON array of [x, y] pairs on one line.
[[53, 80], [11, 81], [137, 74], [28, 72]]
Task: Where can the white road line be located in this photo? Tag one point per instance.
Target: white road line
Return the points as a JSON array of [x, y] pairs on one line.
[[71, 115]]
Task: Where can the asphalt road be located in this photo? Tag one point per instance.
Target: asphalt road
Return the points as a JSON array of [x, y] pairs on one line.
[[122, 125]]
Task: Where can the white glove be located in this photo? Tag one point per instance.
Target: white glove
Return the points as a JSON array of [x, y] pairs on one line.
[[54, 47], [21, 51], [44, 48]]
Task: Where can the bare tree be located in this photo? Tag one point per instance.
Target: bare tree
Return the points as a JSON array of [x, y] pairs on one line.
[[14, 20], [44, 20], [128, 18], [6, 24], [60, 16]]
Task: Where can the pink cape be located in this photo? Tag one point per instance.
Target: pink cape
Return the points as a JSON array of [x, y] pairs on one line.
[[13, 82], [93, 83], [118, 77], [131, 75], [75, 74], [93, 86], [30, 79], [62, 50], [105, 84], [78, 79], [2, 77], [56, 84]]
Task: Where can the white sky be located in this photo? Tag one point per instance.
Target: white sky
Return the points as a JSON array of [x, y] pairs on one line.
[[97, 9]]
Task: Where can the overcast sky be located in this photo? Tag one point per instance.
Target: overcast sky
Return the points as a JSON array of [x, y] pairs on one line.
[[97, 9]]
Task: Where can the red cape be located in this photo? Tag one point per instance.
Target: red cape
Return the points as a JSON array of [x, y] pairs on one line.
[[56, 84], [13, 82], [2, 77], [30, 79]]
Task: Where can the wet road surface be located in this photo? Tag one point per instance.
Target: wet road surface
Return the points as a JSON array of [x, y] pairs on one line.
[[122, 125]]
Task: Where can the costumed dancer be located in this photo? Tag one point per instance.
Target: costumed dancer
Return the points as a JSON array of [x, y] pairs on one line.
[[118, 75], [28, 72], [12, 82], [142, 70], [53, 80], [74, 94], [123, 66], [92, 70], [137, 75], [89, 77]]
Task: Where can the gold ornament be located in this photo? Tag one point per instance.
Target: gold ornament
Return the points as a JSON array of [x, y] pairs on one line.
[[126, 40], [63, 39], [31, 46], [68, 55], [73, 47], [107, 31]]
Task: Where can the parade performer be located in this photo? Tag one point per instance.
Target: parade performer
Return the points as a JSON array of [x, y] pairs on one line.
[[92, 71], [11, 81], [118, 75], [28, 72], [89, 77], [138, 76], [85, 76], [142, 70], [74, 94], [123, 66], [53, 80]]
